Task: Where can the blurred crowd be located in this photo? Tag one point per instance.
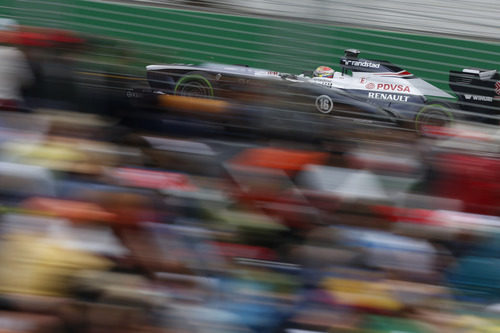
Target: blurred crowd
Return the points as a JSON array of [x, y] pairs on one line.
[[106, 229]]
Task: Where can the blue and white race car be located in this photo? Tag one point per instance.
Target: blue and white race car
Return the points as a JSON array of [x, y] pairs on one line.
[[387, 87]]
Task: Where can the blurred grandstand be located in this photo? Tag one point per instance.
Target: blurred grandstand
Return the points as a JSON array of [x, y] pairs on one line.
[[128, 208]]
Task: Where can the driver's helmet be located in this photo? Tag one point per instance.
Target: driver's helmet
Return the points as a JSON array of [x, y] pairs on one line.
[[323, 71]]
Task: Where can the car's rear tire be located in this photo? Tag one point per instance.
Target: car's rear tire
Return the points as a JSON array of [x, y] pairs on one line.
[[194, 84], [433, 114]]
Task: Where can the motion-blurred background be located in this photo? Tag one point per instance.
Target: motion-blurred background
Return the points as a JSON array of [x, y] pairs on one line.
[[128, 208]]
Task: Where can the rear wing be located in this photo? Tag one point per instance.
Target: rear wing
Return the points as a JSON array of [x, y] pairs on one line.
[[476, 82]]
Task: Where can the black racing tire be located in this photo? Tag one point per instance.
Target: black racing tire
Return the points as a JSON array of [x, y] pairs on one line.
[[434, 113], [194, 84]]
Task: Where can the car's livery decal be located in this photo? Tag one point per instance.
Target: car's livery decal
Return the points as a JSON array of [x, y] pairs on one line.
[[324, 104], [388, 96], [402, 74], [497, 87], [389, 87]]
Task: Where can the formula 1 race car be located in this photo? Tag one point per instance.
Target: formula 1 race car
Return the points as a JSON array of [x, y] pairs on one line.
[[266, 108], [397, 92]]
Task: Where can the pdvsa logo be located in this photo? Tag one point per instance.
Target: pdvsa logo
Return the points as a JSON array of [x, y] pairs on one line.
[[393, 87], [388, 87]]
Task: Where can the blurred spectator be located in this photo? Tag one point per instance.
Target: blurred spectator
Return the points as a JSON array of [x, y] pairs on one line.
[[51, 55], [15, 72]]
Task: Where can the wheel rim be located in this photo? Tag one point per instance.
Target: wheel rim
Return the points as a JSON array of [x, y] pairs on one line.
[[432, 116], [194, 88]]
